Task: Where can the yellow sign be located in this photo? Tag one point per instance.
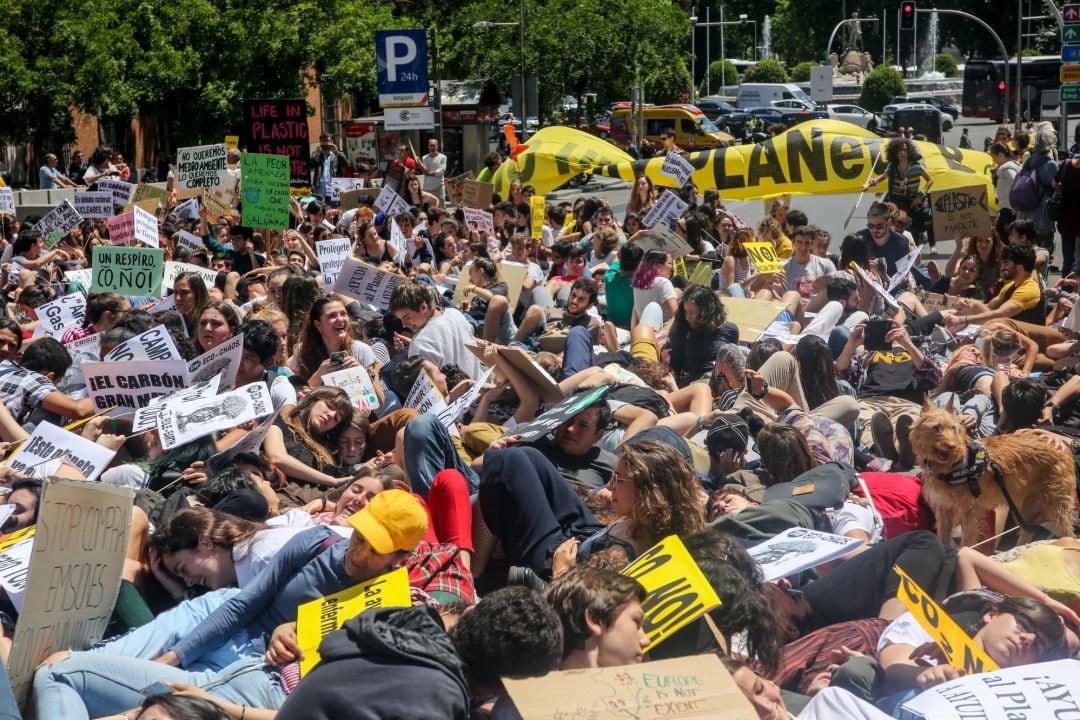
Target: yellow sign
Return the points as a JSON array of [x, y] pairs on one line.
[[702, 273], [960, 651], [677, 592], [318, 618], [11, 539], [678, 266], [538, 207], [232, 142], [764, 257], [1070, 73]]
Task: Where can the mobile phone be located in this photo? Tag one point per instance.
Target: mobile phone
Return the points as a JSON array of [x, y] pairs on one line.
[[337, 357], [874, 336], [158, 688]]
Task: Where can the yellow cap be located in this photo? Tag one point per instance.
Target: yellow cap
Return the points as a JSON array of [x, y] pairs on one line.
[[393, 520]]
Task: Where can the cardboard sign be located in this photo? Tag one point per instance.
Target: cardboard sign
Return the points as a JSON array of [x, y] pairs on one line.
[[677, 168], [182, 421], [280, 127], [146, 191], [961, 212], [266, 191], [959, 649], [388, 201], [189, 241], [669, 207], [903, 267], [332, 254], [121, 191], [936, 301], [555, 416], [154, 344], [50, 442], [684, 687], [74, 573], [455, 187], [249, 443], [339, 185], [318, 618], [476, 194], [94, 205], [366, 283], [478, 220], [357, 385], [132, 385], [349, 199], [1042, 690], [201, 167], [15, 559], [7, 201], [424, 396], [147, 418], [545, 385], [57, 223], [511, 273], [798, 549], [536, 202], [173, 268], [65, 312], [661, 238], [222, 362], [763, 256], [127, 270], [676, 591], [753, 317]]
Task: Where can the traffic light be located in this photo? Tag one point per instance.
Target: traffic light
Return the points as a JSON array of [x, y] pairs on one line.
[[907, 15], [1001, 85]]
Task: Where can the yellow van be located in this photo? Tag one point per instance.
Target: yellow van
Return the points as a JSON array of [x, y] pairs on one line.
[[693, 131]]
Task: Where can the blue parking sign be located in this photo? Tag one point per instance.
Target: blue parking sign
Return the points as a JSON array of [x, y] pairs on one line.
[[401, 62]]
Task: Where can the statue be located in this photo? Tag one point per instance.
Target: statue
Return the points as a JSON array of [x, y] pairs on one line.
[[854, 33]]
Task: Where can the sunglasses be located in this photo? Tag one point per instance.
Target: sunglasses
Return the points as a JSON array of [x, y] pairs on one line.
[[875, 226]]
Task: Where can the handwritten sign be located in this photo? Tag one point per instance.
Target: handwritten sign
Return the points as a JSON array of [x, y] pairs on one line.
[[147, 191], [903, 267], [677, 168], [424, 396], [7, 201], [476, 194], [189, 241], [280, 127], [266, 190], [57, 223], [669, 207], [961, 212], [201, 167], [132, 385], [959, 649], [65, 312], [50, 442], [332, 254], [318, 618], [875, 286], [249, 443], [455, 187], [937, 301], [763, 256], [1040, 690], [174, 268], [357, 385], [538, 206], [187, 210], [121, 191], [94, 205], [478, 220], [181, 422], [661, 238], [127, 270], [798, 549], [556, 415], [366, 283], [390, 202]]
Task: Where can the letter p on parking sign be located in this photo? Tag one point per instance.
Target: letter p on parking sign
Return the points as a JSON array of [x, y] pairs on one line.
[[401, 67]]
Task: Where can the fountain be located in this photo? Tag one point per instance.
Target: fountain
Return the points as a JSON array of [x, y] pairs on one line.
[[766, 38], [932, 42]]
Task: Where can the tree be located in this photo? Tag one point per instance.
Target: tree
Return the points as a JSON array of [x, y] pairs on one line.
[[801, 72], [880, 86], [767, 71], [723, 72], [942, 63], [667, 84]]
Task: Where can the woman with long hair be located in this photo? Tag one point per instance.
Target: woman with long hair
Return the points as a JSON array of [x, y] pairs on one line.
[[817, 371], [415, 195], [785, 454], [371, 247], [699, 329], [987, 248], [906, 173], [652, 285], [737, 266], [965, 282], [298, 295], [642, 196], [217, 322], [328, 344], [211, 549], [191, 296]]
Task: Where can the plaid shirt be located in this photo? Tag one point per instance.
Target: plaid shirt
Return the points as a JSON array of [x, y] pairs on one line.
[[22, 390], [927, 375], [438, 567]]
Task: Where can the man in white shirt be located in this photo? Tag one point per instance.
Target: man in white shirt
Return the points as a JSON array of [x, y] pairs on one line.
[[434, 170], [438, 334], [1006, 172], [802, 269]]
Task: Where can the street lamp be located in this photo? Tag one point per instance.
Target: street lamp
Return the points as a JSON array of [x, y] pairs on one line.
[[693, 58], [744, 20], [521, 27]]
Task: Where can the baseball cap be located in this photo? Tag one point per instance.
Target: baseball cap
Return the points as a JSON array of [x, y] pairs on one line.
[[393, 520]]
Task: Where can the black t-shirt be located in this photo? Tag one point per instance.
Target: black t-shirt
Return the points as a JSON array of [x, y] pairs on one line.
[[891, 373], [593, 469], [478, 306], [642, 397], [894, 249]]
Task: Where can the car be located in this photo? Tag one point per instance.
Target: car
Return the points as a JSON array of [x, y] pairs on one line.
[[733, 123], [949, 109], [855, 115], [768, 115], [714, 107], [599, 129], [791, 119], [793, 104]]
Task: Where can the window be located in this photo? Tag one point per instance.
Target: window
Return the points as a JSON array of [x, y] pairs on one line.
[[655, 127], [688, 127]]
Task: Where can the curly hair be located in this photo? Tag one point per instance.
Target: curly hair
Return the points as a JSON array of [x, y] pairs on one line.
[[892, 151], [711, 314], [601, 592], [769, 227], [971, 247], [652, 373], [669, 497], [609, 241], [323, 446]]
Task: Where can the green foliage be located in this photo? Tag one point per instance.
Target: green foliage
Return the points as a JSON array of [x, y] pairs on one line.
[[667, 84], [801, 72], [723, 72], [880, 86], [767, 71], [942, 63]]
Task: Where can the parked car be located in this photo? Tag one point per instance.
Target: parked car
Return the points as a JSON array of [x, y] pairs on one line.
[[949, 109], [714, 107], [791, 119], [855, 115], [922, 118], [599, 129], [768, 115], [793, 104]]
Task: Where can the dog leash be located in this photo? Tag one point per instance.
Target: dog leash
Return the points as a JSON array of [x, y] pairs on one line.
[[977, 460]]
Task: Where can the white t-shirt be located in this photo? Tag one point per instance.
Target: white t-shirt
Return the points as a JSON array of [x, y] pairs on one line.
[[359, 350], [801, 276], [1005, 176], [904, 630], [282, 391], [856, 516], [253, 556], [443, 339], [661, 291]]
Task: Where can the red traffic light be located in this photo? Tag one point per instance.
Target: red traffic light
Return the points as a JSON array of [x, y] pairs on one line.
[[1001, 85], [907, 15]]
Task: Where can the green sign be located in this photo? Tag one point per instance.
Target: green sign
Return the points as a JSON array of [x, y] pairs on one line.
[[1070, 33], [265, 183], [1070, 93], [127, 270]]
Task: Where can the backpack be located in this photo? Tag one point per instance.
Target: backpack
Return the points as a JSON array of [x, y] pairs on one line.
[[1026, 192]]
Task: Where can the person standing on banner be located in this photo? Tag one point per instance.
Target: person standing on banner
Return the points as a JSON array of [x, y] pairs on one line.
[[905, 172], [433, 168], [326, 162]]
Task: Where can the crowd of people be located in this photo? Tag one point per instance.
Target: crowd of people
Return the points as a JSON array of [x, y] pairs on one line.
[[513, 539]]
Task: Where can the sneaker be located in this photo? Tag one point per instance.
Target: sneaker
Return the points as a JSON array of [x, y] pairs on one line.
[[882, 431], [525, 576], [903, 440]]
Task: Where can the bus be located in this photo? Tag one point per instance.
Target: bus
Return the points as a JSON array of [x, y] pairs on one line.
[[984, 86]]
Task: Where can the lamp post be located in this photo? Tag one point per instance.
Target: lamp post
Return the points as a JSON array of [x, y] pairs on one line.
[[721, 24], [693, 57], [744, 20], [520, 24]]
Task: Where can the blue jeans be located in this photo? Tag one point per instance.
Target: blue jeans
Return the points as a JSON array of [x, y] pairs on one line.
[[578, 354], [429, 451]]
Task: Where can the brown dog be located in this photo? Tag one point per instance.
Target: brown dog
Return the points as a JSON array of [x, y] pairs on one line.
[[1040, 478]]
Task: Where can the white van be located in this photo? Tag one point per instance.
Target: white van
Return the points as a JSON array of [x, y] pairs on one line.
[[763, 94]]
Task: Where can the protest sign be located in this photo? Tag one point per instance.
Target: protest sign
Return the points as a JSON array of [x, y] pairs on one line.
[[332, 254], [187, 210], [476, 194], [74, 573], [677, 168], [366, 283], [65, 312], [147, 191], [249, 443], [556, 415], [266, 191], [753, 317], [154, 344], [478, 220], [173, 268], [94, 205], [875, 286], [388, 201], [49, 442], [280, 127], [669, 207], [397, 241], [132, 385], [903, 267], [349, 199], [1041, 690], [121, 191], [660, 238], [168, 303], [89, 346], [424, 396], [961, 212], [189, 241], [538, 378], [7, 201], [959, 649], [676, 591], [185, 420], [318, 618], [147, 418], [221, 362], [121, 229], [536, 202], [511, 273], [339, 185], [763, 256], [201, 167], [57, 223], [454, 410], [701, 273], [82, 276], [798, 549], [455, 187], [683, 687], [127, 270], [936, 301], [356, 383], [18, 547]]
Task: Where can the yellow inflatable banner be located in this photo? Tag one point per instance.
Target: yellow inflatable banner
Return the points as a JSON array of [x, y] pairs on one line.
[[555, 155]]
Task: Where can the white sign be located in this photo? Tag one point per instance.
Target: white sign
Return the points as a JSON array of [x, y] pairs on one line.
[[660, 238], [182, 422], [94, 205], [222, 362], [189, 241], [50, 442], [458, 407], [168, 303], [424, 396], [340, 185], [154, 344], [132, 385], [84, 276], [146, 228], [62, 313], [147, 418], [677, 167], [7, 201], [15, 562], [668, 208], [201, 167], [357, 385], [478, 220], [250, 443], [57, 223], [397, 240], [409, 118], [367, 283], [173, 268], [903, 267], [121, 191], [821, 83], [187, 210], [332, 254], [876, 286], [798, 549], [1041, 690], [390, 202], [89, 346]]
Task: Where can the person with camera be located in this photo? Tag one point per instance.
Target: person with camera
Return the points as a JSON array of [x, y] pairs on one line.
[[326, 162]]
